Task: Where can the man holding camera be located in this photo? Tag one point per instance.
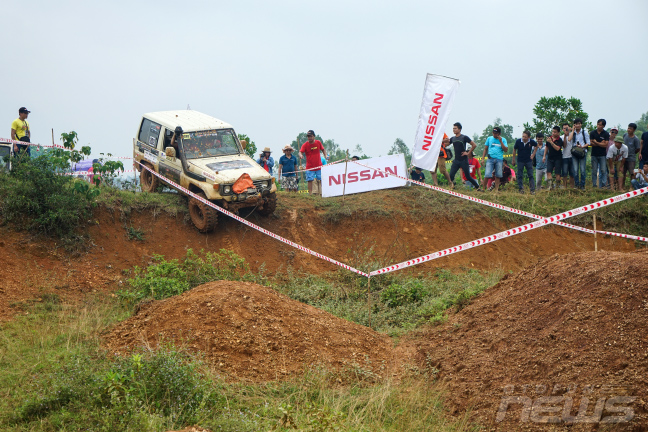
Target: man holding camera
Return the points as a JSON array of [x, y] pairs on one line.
[[265, 160], [20, 132]]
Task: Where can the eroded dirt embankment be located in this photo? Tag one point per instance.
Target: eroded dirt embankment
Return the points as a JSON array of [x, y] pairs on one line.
[[34, 266]]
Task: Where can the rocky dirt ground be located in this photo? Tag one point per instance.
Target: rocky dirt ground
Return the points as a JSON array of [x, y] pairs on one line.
[[250, 332], [571, 326], [568, 325]]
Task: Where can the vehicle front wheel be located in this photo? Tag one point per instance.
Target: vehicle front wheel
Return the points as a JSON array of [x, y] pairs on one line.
[[148, 181], [269, 206], [203, 217]]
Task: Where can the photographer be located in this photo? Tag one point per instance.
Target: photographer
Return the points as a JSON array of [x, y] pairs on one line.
[[265, 160]]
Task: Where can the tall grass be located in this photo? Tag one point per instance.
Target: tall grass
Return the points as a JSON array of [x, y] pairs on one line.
[[54, 376]]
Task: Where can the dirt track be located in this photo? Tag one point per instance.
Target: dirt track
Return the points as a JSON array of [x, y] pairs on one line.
[[38, 267], [575, 319]]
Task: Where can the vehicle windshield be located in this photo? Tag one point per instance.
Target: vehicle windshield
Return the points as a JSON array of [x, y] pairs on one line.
[[209, 143]]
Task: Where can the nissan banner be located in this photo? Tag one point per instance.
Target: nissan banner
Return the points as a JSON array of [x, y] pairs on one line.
[[438, 97], [362, 179]]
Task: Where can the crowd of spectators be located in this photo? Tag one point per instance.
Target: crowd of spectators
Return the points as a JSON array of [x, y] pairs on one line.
[[559, 160]]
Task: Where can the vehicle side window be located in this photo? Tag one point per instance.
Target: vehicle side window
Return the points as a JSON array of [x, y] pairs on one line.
[[149, 133], [4, 151]]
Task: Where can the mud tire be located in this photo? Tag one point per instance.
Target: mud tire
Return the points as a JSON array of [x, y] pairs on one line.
[[203, 217], [269, 206], [148, 182]]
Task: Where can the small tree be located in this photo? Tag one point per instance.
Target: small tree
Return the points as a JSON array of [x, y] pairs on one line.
[[250, 148], [399, 147], [555, 111]]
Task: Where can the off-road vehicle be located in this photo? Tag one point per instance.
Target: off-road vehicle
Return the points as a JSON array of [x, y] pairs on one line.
[[204, 155], [5, 151]]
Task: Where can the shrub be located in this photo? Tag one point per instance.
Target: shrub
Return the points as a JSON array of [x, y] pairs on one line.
[[36, 196], [166, 384], [164, 279]]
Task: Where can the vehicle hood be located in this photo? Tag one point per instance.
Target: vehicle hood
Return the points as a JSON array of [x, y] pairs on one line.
[[227, 169]]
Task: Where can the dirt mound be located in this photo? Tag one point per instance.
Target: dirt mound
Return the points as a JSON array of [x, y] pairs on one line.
[[569, 327], [248, 331]]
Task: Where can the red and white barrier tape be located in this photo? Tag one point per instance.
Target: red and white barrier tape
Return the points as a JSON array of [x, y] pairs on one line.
[[505, 208], [256, 227], [10, 141], [313, 169], [509, 233], [95, 173]]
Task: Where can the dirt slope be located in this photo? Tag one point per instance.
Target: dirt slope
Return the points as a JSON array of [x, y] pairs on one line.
[[554, 329], [248, 331], [36, 267]]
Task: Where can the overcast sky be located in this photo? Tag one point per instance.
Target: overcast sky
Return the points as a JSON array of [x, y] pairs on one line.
[[351, 70]]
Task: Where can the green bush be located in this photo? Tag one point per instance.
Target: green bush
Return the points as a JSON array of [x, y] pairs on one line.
[[166, 384], [36, 196], [164, 279]]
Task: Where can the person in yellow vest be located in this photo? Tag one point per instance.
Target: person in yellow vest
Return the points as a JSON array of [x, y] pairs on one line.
[[20, 131]]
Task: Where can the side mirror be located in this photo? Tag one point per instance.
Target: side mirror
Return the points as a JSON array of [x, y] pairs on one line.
[[170, 152], [243, 144]]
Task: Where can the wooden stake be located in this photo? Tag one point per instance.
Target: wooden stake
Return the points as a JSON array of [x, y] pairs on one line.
[[369, 298], [52, 136], [595, 240]]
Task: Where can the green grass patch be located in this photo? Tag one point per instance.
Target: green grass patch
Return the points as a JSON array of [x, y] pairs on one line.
[[55, 376], [396, 303], [126, 202], [163, 279]]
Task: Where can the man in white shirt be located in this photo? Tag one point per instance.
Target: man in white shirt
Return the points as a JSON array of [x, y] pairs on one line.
[[567, 164], [579, 138], [616, 157]]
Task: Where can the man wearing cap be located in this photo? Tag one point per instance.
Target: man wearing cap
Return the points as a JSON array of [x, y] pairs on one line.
[[311, 151], [287, 167], [20, 131], [616, 157], [417, 175], [495, 146], [265, 160]]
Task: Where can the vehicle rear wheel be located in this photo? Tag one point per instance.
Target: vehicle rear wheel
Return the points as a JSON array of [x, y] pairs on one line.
[[203, 217], [269, 206], [148, 181]]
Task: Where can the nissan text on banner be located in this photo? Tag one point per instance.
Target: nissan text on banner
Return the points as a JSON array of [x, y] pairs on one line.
[[362, 179], [438, 97]]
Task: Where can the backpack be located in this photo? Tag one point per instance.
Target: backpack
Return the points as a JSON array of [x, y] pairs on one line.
[[449, 154], [578, 152]]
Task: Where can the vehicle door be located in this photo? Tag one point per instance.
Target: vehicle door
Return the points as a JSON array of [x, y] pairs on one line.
[[148, 140], [170, 166]]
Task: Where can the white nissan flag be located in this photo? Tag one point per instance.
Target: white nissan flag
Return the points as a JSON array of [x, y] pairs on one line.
[[438, 97]]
